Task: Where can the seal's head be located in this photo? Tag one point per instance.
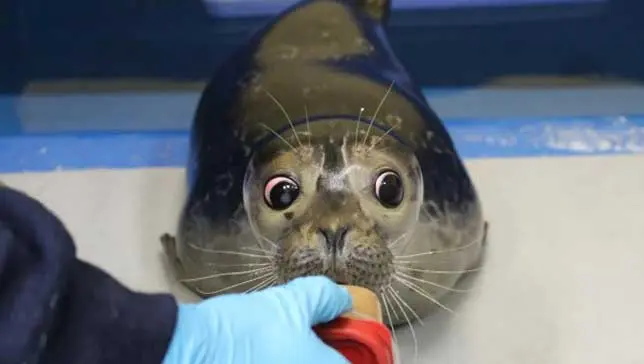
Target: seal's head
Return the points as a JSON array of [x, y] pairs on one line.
[[381, 201], [334, 205]]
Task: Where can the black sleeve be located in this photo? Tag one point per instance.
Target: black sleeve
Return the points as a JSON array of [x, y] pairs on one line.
[[57, 309]]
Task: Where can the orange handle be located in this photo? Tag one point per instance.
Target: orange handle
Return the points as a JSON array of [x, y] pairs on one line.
[[360, 336], [360, 341]]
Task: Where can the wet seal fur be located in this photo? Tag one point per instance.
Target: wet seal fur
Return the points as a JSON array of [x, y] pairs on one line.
[[313, 152]]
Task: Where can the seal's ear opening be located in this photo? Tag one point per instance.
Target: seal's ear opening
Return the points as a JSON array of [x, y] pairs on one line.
[[377, 9]]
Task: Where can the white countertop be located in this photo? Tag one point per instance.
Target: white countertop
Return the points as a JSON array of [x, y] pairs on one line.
[[564, 278]]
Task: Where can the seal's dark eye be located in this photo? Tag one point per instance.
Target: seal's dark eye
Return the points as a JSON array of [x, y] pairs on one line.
[[389, 189], [280, 192]]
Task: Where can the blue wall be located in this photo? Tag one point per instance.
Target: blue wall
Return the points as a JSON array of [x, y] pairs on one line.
[[442, 46]]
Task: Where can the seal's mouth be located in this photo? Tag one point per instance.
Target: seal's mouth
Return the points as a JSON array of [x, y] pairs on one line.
[[338, 276], [365, 263]]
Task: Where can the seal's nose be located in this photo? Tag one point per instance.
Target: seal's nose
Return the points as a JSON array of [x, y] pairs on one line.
[[334, 237]]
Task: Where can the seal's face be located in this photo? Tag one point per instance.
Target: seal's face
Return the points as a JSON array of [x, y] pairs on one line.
[[336, 206]]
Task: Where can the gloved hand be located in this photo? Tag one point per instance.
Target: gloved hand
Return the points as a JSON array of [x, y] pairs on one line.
[[273, 326]]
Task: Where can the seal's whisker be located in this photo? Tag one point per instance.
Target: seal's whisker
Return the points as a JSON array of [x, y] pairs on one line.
[[443, 251], [406, 305], [397, 240], [228, 252], [263, 284], [361, 315], [409, 323], [380, 138], [227, 288], [421, 292], [241, 264], [394, 312], [226, 274], [411, 269], [273, 244], [358, 123], [308, 124], [385, 304], [375, 114], [279, 136], [257, 249], [290, 122], [261, 248], [268, 284], [420, 280]]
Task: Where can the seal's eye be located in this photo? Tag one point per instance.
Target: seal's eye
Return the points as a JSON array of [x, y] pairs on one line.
[[280, 192], [389, 189]]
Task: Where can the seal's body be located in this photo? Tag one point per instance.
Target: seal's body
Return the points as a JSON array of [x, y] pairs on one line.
[[313, 152]]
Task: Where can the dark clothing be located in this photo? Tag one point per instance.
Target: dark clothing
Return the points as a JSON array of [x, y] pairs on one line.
[[55, 308]]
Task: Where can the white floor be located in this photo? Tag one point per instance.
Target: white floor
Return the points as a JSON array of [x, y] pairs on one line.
[[564, 281]]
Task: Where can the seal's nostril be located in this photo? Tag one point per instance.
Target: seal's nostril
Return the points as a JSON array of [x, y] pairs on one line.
[[335, 238]]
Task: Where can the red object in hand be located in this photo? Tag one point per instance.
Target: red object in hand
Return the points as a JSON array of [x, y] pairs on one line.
[[360, 341]]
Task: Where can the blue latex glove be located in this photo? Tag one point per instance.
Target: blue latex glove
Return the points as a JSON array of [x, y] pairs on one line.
[[273, 326]]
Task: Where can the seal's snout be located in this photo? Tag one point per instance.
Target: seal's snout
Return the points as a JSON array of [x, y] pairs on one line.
[[334, 243], [334, 238]]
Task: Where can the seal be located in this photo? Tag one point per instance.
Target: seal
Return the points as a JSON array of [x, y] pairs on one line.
[[314, 153]]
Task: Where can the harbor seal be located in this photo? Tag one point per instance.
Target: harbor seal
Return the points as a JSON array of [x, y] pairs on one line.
[[314, 153]]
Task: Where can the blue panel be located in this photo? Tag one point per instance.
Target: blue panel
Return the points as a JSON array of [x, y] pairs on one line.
[[474, 139], [174, 109], [10, 122]]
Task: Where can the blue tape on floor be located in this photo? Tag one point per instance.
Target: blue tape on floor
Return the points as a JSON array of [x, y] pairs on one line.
[[474, 139]]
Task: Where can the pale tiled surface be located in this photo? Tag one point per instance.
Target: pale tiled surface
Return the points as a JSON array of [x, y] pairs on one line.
[[564, 281]]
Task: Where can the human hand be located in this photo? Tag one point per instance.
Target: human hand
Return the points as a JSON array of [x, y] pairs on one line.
[[273, 326]]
